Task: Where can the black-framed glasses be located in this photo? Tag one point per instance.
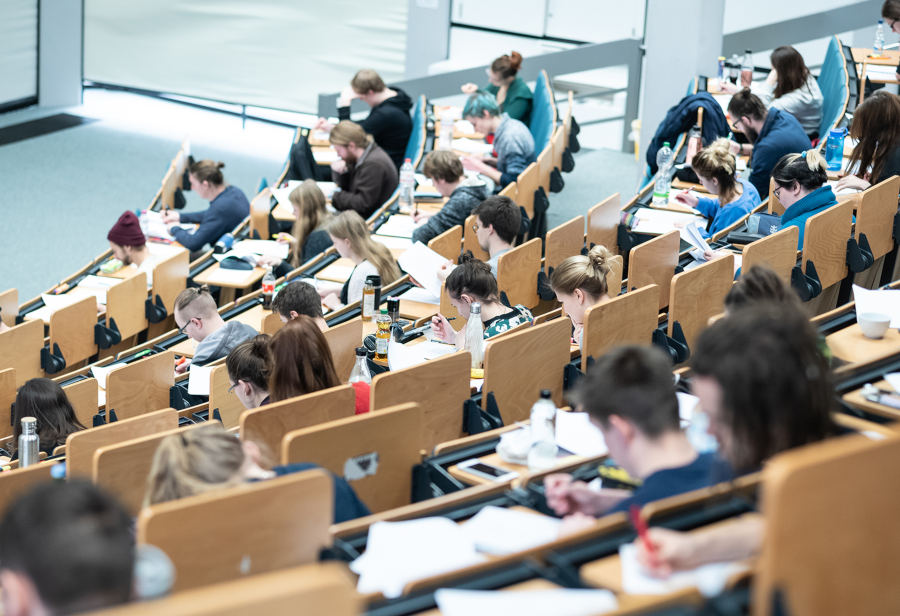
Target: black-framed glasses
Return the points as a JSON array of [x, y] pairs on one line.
[[475, 227], [777, 193], [184, 327], [891, 22], [231, 389]]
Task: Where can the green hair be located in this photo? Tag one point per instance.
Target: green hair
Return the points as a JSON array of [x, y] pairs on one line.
[[480, 102]]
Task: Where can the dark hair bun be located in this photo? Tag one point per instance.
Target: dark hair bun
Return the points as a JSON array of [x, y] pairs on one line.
[[515, 60]]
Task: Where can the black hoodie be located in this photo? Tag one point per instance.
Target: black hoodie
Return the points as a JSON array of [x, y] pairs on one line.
[[388, 123]]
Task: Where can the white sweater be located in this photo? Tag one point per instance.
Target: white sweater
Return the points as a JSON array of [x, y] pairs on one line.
[[804, 103]]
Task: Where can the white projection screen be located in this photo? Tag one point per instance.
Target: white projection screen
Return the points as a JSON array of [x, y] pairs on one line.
[[269, 53]]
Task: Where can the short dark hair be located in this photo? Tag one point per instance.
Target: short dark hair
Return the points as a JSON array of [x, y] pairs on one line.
[[74, 542], [759, 284], [299, 296], [745, 103], [777, 391], [503, 214], [635, 383], [891, 9]]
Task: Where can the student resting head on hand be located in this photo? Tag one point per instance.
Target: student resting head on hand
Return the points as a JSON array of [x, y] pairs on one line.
[[209, 458], [581, 282]]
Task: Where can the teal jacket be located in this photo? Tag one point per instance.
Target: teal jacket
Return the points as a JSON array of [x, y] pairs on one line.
[[817, 201]]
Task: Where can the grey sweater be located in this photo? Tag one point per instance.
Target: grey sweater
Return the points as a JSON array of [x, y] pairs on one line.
[[220, 343], [514, 146]]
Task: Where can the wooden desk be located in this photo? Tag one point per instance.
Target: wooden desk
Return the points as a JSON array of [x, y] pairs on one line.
[[229, 280], [337, 271], [856, 399], [850, 345], [494, 459], [863, 59]]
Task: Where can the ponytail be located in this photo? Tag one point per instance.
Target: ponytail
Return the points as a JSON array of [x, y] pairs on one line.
[[806, 168], [717, 162], [474, 278], [585, 272]]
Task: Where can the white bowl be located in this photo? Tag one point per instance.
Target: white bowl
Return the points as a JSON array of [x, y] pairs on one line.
[[873, 324]]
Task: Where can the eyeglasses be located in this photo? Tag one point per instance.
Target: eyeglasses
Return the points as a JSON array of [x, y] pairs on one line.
[[184, 327], [891, 22], [737, 125], [777, 193], [231, 389], [475, 227]]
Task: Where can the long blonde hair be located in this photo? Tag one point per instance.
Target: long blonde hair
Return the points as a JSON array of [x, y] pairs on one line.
[[717, 161], [192, 462], [309, 201], [349, 225], [585, 272]]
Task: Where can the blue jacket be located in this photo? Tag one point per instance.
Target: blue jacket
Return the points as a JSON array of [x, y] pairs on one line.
[[781, 134], [225, 212], [817, 201], [347, 505], [729, 213], [680, 118]]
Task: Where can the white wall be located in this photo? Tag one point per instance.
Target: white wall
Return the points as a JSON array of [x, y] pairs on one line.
[[18, 49]]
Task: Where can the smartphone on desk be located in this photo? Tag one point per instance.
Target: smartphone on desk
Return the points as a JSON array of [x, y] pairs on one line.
[[475, 466]]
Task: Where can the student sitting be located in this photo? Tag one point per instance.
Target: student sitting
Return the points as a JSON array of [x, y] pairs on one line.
[[513, 95], [129, 245], [196, 316], [445, 171], [365, 175], [579, 283], [876, 157], [300, 363], [309, 237], [352, 239], [800, 187], [210, 458], [629, 395], [298, 298], [760, 285], [790, 87], [513, 143], [46, 401], [65, 547], [388, 122], [772, 133], [228, 207], [765, 387], [248, 371], [472, 281], [716, 166], [498, 221]]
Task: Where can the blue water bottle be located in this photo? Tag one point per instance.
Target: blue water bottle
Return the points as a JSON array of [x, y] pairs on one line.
[[834, 149]]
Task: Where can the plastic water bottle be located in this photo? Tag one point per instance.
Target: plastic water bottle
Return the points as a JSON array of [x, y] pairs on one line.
[[542, 454], [407, 186], [268, 288], [834, 149], [747, 69], [445, 139], [878, 46], [474, 338], [29, 444], [734, 70], [664, 159], [360, 370]]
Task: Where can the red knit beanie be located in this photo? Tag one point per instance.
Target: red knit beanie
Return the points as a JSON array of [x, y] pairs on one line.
[[127, 231]]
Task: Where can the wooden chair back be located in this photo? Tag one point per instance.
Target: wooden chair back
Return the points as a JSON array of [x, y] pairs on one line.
[[775, 206], [141, 386], [83, 397], [170, 279], [778, 252], [825, 242], [545, 164], [170, 182], [16, 482], [548, 316], [528, 182], [830, 528], [875, 215], [653, 262], [252, 528], [80, 446], [122, 468], [603, 223], [72, 328], [9, 307], [447, 243], [614, 277], [563, 242], [517, 273], [259, 216], [267, 425], [8, 391], [342, 340], [125, 305], [321, 588], [440, 386], [20, 349], [559, 146], [449, 310], [271, 323], [629, 318], [374, 452], [698, 294], [511, 191], [470, 241], [518, 366], [225, 402]]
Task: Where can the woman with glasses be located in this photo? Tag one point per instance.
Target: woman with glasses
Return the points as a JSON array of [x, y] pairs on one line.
[[800, 187], [248, 371]]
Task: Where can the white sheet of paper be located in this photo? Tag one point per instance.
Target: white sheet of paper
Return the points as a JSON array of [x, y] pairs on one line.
[[709, 579], [576, 433], [325, 156], [269, 248], [657, 222], [418, 294], [398, 225], [199, 380], [893, 379], [885, 301], [393, 243], [559, 602], [472, 146], [881, 73], [402, 356], [423, 264], [282, 195], [400, 552], [686, 405], [695, 238], [500, 531]]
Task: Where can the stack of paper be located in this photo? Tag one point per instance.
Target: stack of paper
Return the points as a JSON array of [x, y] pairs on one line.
[[877, 72], [576, 433], [424, 296], [709, 579], [153, 226], [422, 264], [256, 248], [472, 146], [885, 301], [500, 531], [657, 222], [325, 156], [199, 380], [402, 356], [398, 225], [559, 602]]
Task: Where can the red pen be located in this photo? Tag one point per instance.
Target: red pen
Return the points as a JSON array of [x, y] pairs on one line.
[[640, 525]]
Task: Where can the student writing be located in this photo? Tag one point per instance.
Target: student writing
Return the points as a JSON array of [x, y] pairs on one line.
[[513, 143], [309, 235], [580, 282], [445, 170]]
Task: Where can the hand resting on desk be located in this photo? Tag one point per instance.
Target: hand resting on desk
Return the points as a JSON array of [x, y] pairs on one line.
[[567, 497]]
